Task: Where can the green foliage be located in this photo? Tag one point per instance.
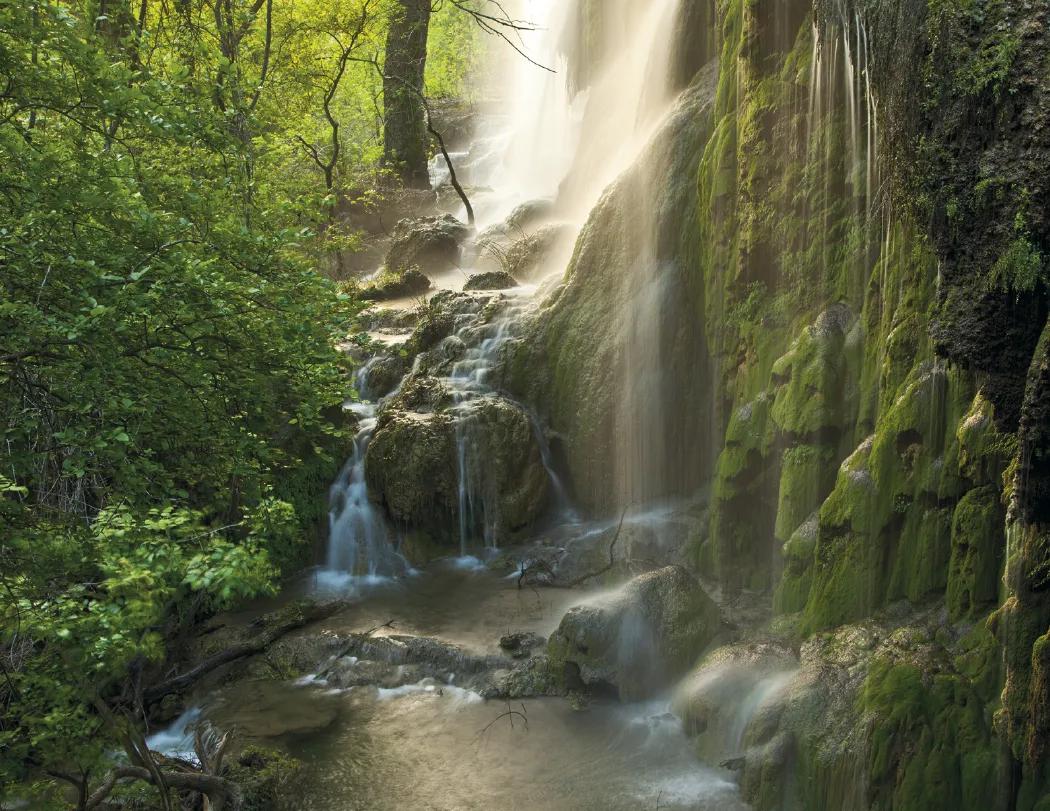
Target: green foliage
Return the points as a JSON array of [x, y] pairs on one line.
[[1019, 269], [170, 390], [167, 361]]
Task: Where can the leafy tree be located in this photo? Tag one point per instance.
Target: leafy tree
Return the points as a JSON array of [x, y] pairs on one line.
[[170, 387]]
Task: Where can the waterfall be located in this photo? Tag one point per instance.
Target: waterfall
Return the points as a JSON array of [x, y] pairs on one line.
[[579, 113], [576, 114]]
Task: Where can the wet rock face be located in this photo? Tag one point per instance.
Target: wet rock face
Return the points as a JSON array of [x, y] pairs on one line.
[[727, 690], [421, 449], [636, 640], [410, 468], [430, 243], [503, 467], [526, 257], [576, 363], [383, 374], [885, 714]]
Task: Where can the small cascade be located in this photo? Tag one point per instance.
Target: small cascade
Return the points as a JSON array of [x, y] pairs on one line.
[[764, 691], [472, 394], [359, 541]]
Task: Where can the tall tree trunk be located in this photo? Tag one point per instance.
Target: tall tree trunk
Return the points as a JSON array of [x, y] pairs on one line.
[[405, 139]]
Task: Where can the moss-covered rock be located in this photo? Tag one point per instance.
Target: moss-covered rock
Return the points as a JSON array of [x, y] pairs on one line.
[[422, 452], [978, 548], [392, 284], [266, 778], [719, 697], [575, 363], [491, 280], [882, 715], [411, 470], [503, 474]]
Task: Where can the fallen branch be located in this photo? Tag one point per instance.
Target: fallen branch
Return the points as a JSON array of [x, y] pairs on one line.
[[510, 714], [260, 643], [538, 565], [612, 556], [218, 790]]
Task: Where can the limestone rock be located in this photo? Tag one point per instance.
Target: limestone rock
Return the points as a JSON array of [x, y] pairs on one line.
[[430, 243], [639, 638], [410, 468], [406, 281]]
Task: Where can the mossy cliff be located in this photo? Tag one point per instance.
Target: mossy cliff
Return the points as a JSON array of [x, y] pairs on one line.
[[856, 331]]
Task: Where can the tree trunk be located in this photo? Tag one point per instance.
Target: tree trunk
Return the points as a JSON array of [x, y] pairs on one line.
[[405, 139]]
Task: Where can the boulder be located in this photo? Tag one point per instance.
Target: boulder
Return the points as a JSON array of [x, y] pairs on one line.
[[422, 394], [636, 640], [399, 283], [410, 468], [431, 243], [382, 374], [727, 691], [414, 463], [504, 475], [492, 280]]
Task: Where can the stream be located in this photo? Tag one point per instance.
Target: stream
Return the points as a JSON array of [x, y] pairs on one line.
[[438, 746]]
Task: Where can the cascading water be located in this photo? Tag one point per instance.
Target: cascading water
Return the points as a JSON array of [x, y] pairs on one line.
[[359, 539], [575, 118]]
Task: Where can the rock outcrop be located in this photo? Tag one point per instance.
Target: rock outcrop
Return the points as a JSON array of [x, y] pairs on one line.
[[637, 639], [432, 244]]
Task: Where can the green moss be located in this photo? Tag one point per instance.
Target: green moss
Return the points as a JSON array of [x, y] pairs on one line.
[[984, 451], [806, 475], [978, 546], [930, 746], [809, 402], [742, 505], [266, 776], [792, 591], [885, 531]]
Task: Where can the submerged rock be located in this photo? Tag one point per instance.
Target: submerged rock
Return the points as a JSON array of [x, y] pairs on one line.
[[638, 639], [431, 243]]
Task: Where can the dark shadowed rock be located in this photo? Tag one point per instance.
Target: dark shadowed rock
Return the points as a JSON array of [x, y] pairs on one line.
[[431, 243]]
